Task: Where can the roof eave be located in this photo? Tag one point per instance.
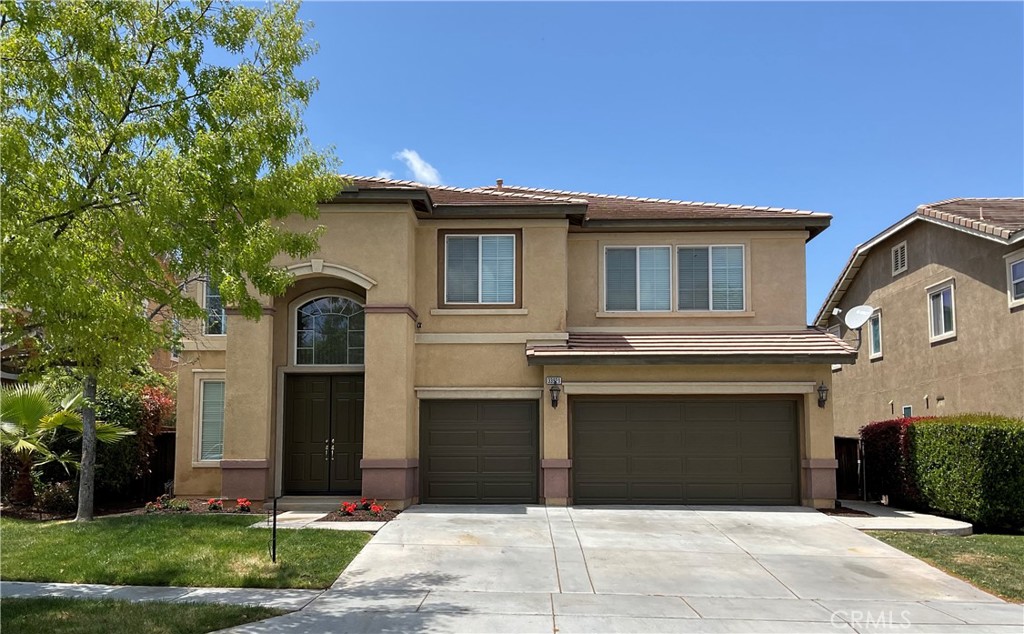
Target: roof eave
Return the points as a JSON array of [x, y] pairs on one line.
[[420, 198], [569, 358], [812, 224]]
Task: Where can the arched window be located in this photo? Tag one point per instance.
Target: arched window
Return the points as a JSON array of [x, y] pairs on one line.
[[329, 331]]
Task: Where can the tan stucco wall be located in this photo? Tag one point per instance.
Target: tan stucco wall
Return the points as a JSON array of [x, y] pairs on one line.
[[189, 481], [397, 253], [775, 281], [981, 370]]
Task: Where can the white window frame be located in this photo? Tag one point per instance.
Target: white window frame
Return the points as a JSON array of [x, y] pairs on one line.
[[293, 330], [872, 353], [933, 290], [711, 279], [906, 413], [200, 377], [479, 269], [204, 287], [896, 269], [636, 248], [1012, 258]]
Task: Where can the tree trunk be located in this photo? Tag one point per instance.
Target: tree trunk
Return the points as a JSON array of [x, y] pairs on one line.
[[87, 474], [23, 494]]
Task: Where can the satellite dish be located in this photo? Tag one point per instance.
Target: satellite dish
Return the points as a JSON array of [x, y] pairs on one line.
[[858, 316]]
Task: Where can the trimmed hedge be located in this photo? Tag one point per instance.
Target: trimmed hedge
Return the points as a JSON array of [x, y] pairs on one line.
[[969, 466]]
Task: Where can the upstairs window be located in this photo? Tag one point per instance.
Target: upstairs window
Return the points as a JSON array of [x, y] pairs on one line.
[[1015, 280], [899, 258], [875, 334], [711, 278], [216, 319], [638, 279], [481, 269], [941, 311], [330, 331]]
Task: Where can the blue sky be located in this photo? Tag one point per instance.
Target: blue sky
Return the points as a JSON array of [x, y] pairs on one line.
[[862, 110]]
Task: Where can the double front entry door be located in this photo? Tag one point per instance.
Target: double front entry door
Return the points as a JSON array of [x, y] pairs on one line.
[[323, 434]]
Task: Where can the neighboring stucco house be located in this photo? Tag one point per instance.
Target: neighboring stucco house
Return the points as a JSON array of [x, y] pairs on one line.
[[947, 336], [516, 345]]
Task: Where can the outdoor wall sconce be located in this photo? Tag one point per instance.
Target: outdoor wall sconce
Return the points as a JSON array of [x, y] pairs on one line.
[[556, 390], [822, 394]]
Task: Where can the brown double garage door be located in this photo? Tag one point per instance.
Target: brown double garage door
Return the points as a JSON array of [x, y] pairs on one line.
[[624, 451]]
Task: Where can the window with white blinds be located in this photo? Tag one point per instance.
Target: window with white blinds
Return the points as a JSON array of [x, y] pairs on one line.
[[211, 420], [638, 279], [710, 278], [480, 269]]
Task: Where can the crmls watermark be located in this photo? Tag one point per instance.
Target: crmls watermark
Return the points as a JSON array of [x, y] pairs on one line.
[[889, 619]]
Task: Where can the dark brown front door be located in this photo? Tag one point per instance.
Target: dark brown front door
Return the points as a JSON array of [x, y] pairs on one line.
[[478, 452], [323, 434]]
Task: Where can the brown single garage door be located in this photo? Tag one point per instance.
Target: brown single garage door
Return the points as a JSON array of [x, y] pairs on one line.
[[478, 452], [654, 451]]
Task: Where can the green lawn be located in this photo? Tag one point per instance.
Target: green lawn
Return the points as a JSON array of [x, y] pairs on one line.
[[174, 550], [87, 616], [991, 562]]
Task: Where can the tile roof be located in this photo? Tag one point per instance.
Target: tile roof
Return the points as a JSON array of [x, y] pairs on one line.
[[809, 345], [1002, 217], [610, 206], [599, 206]]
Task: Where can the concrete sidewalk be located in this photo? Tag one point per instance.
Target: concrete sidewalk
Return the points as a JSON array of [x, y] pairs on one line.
[[282, 599], [887, 518]]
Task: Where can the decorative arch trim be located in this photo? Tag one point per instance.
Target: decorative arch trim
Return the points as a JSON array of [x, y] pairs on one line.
[[319, 267]]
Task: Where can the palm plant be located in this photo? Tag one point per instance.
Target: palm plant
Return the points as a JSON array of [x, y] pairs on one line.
[[30, 416]]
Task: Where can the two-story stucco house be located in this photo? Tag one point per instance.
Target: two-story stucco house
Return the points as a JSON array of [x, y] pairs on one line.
[[516, 345], [947, 334]]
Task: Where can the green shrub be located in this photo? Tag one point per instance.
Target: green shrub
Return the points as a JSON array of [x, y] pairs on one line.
[[969, 466], [972, 466], [888, 462], [59, 498]]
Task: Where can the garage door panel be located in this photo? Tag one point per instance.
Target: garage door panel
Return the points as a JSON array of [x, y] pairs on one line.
[[769, 469], [655, 492], [653, 411], [777, 411], [597, 412], [607, 492], [455, 491], [453, 464], [757, 439], [515, 439], [602, 440], [508, 464], [478, 451], [708, 452], [603, 466], [658, 441], [710, 411], [701, 439], [712, 467], [656, 466]]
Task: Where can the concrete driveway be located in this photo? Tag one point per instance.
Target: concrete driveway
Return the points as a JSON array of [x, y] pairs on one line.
[[644, 569]]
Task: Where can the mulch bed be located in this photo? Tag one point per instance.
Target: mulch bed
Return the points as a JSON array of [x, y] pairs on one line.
[[195, 507], [360, 516]]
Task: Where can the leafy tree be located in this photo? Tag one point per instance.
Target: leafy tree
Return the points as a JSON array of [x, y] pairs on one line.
[[146, 145], [29, 418]]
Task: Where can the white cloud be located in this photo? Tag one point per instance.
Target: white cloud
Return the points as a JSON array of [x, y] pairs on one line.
[[422, 171], [385, 174]]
